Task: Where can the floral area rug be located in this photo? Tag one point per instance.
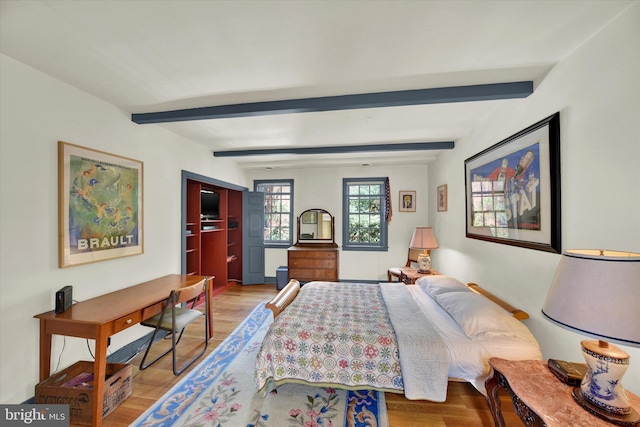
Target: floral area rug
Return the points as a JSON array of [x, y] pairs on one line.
[[221, 392]]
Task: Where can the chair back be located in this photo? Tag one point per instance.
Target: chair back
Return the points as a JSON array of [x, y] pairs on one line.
[[174, 318], [188, 293], [412, 257]]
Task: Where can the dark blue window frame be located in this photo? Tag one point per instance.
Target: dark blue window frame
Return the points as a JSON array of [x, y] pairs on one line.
[[285, 243], [375, 199]]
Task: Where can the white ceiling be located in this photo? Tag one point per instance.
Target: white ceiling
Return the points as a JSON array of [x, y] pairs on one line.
[[147, 56]]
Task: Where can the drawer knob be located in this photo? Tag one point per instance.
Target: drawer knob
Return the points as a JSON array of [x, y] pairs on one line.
[[129, 321]]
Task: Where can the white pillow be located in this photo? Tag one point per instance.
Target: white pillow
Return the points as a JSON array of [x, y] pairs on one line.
[[480, 318], [512, 348], [434, 285]]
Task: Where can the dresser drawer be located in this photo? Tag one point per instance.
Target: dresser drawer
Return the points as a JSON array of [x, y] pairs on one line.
[[306, 275], [312, 263], [313, 254]]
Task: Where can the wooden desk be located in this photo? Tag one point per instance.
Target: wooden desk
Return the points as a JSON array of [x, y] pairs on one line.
[[99, 318], [410, 275], [539, 398]]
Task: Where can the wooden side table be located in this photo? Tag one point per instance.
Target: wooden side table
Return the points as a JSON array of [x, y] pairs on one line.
[[410, 275], [539, 398]]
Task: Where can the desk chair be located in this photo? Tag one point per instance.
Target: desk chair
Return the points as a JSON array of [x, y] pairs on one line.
[[412, 258], [174, 318]]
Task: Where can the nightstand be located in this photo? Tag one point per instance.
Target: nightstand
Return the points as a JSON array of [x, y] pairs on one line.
[[410, 275], [539, 398]]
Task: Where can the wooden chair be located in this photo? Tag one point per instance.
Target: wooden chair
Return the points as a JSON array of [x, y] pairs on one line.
[[412, 258], [174, 318]]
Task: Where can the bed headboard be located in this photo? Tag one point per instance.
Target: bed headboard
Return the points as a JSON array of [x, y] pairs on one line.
[[515, 312], [290, 291]]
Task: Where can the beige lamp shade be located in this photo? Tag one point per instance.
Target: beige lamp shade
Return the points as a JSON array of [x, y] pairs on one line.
[[423, 238]]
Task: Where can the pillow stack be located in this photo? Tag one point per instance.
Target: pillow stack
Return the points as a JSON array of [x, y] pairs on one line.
[[478, 317]]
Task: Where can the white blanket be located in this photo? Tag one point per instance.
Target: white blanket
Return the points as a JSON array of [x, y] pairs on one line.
[[424, 358]]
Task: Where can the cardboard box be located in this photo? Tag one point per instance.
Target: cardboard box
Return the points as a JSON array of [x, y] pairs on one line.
[[73, 386]]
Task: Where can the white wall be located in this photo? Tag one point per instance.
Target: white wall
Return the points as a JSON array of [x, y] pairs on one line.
[[35, 112], [596, 90], [322, 188]]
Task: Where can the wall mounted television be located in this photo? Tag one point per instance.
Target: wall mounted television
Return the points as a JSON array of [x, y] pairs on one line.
[[209, 205]]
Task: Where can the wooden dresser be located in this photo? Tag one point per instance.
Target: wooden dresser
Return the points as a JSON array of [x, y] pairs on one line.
[[313, 262]]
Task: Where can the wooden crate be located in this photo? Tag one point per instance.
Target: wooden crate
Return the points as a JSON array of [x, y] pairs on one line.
[[73, 386]]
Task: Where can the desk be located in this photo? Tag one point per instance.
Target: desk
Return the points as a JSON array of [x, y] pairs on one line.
[[410, 275], [99, 318], [539, 398]]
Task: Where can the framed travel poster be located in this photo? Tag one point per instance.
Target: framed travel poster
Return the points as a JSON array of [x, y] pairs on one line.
[[513, 189], [99, 205]]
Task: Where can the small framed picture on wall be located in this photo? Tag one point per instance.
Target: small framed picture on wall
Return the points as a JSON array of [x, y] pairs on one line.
[[407, 201], [442, 198]]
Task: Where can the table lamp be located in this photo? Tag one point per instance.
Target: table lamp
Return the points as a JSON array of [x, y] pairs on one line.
[[424, 239], [597, 293]]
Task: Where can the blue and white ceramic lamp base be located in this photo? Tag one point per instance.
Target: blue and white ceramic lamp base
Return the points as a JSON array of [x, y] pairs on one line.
[[601, 390]]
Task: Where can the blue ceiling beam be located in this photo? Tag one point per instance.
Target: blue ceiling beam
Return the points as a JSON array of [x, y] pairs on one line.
[[409, 146], [484, 92]]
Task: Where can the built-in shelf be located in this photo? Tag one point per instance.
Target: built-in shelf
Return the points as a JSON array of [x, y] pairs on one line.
[[212, 252]]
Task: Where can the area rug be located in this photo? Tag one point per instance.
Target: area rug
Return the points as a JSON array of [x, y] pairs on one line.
[[220, 392]]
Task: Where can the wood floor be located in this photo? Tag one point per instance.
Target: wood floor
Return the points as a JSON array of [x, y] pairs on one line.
[[465, 406]]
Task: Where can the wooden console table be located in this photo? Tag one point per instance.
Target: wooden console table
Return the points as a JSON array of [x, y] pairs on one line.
[[539, 398], [99, 318]]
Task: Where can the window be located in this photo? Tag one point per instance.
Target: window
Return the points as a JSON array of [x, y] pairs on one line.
[[278, 211], [363, 205]]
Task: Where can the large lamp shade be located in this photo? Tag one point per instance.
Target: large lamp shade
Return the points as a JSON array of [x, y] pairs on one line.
[[597, 293]]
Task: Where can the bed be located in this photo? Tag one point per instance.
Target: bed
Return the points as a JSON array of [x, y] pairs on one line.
[[390, 337]]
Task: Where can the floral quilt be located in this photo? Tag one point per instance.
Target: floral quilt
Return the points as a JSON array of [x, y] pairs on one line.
[[332, 335]]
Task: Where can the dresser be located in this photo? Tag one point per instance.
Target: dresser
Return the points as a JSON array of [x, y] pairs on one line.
[[310, 262]]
